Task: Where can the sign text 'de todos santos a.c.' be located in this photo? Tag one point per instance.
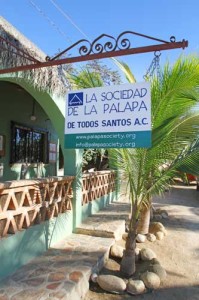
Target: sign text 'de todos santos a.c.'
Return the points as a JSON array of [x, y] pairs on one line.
[[109, 117]]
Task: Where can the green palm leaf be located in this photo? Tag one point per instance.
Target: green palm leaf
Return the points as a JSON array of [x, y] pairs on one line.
[[125, 68], [175, 124]]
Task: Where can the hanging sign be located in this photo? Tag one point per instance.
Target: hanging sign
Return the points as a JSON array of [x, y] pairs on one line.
[[117, 116]]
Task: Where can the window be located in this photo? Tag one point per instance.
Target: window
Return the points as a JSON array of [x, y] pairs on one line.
[[28, 145]]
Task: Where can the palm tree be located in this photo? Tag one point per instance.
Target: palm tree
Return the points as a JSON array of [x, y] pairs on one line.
[[175, 126]]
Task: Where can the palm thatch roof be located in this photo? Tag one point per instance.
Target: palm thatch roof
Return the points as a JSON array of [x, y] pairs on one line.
[[50, 79]]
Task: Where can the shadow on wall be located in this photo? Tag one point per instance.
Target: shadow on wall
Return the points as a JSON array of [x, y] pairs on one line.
[[96, 205], [17, 250]]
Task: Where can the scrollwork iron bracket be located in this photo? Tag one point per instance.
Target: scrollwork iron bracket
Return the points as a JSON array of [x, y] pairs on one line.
[[104, 46]]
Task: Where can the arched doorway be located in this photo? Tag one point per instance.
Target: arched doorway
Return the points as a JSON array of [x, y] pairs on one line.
[[32, 127]]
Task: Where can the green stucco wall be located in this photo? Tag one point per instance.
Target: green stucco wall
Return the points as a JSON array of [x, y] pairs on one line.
[[73, 167], [16, 250], [96, 205], [53, 105]]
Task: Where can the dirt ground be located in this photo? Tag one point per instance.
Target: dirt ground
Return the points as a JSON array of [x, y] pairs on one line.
[[178, 252]]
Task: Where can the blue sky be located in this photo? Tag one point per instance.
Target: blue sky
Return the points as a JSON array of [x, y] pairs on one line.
[[79, 19]]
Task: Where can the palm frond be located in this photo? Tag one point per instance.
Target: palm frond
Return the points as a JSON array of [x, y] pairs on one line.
[[188, 161], [125, 68], [175, 125], [177, 90], [85, 79]]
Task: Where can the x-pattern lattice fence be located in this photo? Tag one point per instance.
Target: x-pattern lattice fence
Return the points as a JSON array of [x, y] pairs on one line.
[[97, 184], [29, 202]]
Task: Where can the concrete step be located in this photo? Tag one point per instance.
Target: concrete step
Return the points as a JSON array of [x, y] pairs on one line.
[[109, 222]]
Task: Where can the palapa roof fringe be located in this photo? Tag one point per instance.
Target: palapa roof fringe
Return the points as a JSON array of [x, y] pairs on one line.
[[48, 79]]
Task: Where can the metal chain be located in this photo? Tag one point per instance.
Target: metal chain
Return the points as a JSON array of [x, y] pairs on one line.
[[155, 65]]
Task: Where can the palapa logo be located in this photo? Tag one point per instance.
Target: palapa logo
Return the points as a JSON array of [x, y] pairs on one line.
[[75, 99]]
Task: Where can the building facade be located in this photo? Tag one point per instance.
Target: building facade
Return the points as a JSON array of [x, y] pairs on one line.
[[43, 194]]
